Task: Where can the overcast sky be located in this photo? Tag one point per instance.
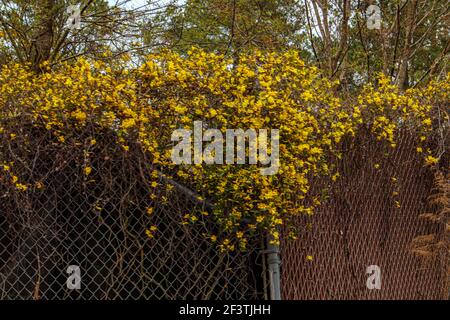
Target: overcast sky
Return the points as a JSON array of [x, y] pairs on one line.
[[138, 3], [132, 3]]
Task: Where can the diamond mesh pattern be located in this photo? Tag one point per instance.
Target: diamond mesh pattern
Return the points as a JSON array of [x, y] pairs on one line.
[[98, 223], [359, 226]]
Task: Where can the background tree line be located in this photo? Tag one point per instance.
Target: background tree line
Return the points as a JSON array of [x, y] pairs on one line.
[[411, 47]]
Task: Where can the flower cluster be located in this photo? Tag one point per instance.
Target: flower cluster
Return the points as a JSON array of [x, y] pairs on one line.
[[143, 106]]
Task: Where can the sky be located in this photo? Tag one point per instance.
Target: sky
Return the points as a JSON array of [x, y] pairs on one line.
[[138, 3], [132, 3]]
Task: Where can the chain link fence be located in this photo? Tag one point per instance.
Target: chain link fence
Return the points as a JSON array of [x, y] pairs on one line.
[[98, 223], [360, 225]]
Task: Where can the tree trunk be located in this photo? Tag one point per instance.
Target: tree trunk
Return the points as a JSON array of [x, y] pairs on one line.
[[42, 39], [403, 77]]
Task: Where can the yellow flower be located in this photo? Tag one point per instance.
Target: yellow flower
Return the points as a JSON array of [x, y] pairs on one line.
[[79, 115], [21, 187], [128, 123], [335, 176], [309, 258], [430, 160], [149, 233], [265, 88], [87, 170]]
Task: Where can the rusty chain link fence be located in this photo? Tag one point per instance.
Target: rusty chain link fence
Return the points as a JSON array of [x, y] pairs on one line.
[[100, 228], [360, 225]]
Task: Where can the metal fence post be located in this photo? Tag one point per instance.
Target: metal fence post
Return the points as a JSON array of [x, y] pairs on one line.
[[274, 261]]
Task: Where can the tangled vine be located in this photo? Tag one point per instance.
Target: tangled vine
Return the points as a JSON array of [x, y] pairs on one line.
[[141, 107]]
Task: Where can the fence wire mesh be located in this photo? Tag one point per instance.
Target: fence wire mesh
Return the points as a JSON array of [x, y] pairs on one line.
[[100, 227], [359, 226], [97, 222]]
